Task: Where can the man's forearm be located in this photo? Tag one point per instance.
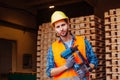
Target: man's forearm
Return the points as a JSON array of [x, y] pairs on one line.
[[56, 71]]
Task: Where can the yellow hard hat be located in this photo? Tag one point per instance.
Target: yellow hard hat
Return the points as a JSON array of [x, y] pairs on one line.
[[58, 15]]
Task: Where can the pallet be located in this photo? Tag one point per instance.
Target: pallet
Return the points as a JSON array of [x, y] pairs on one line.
[[85, 19], [98, 49], [94, 18], [116, 62], [108, 41], [86, 25], [108, 48], [77, 32], [90, 31], [113, 69], [112, 20], [115, 47], [101, 62], [112, 48], [79, 19], [115, 40], [95, 37], [94, 31], [112, 77], [99, 69], [112, 12], [75, 26], [97, 43], [97, 75], [113, 55], [112, 34], [112, 41], [115, 33], [100, 55], [112, 63], [112, 27]]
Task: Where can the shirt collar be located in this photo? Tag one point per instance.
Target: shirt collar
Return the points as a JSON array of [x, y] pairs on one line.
[[73, 38]]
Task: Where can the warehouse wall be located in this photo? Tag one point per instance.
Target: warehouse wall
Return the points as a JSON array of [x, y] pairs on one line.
[[25, 41], [15, 25]]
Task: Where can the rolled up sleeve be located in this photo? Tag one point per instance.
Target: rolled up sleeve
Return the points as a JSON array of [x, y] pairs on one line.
[[50, 62], [92, 58]]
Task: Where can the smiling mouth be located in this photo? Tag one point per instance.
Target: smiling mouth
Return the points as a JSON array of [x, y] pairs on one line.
[[63, 32]]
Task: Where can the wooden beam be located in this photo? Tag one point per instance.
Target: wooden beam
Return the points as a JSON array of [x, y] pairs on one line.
[[17, 26]]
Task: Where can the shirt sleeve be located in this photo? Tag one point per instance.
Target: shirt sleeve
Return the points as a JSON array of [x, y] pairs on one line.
[[50, 62], [92, 58]]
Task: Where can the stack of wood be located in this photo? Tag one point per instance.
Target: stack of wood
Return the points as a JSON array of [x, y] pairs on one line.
[[46, 36], [112, 40]]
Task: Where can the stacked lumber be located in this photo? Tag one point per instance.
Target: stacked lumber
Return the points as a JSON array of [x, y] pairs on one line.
[[112, 40], [92, 28], [46, 36]]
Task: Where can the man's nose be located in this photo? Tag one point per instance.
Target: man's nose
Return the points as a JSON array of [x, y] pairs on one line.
[[61, 28]]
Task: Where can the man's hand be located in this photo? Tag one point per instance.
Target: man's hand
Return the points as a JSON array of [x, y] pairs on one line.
[[82, 71], [70, 62], [92, 66], [75, 48]]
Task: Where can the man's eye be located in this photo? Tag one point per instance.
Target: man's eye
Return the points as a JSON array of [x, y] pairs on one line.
[[63, 25], [57, 26]]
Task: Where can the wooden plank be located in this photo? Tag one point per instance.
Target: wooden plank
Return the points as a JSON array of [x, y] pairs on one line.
[[108, 41], [108, 62], [106, 15], [99, 69], [112, 76], [76, 32], [116, 47], [118, 11], [75, 26], [100, 55], [113, 63], [112, 11], [116, 62], [77, 20], [112, 48], [94, 18], [97, 43], [113, 55], [98, 50], [101, 62], [97, 75]]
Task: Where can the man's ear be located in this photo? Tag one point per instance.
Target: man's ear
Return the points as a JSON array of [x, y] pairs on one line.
[[57, 35]]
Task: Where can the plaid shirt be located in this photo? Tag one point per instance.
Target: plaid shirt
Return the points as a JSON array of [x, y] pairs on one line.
[[89, 52]]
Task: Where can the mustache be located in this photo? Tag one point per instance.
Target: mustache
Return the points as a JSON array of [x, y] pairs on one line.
[[59, 34]]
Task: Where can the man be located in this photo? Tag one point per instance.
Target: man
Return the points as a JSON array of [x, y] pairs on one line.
[[63, 69]]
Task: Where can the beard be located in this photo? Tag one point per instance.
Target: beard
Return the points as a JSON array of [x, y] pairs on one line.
[[63, 33]]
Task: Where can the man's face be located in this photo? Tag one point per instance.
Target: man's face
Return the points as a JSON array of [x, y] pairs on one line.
[[61, 28]]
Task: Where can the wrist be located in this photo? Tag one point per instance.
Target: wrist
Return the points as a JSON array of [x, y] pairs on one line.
[[91, 66], [65, 67]]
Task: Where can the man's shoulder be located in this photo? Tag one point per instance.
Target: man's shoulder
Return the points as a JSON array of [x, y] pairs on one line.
[[56, 41]]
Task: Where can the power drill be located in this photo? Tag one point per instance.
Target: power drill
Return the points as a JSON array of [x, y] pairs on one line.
[[81, 69]]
